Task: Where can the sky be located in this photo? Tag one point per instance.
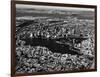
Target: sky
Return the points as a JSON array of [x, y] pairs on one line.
[[52, 7]]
